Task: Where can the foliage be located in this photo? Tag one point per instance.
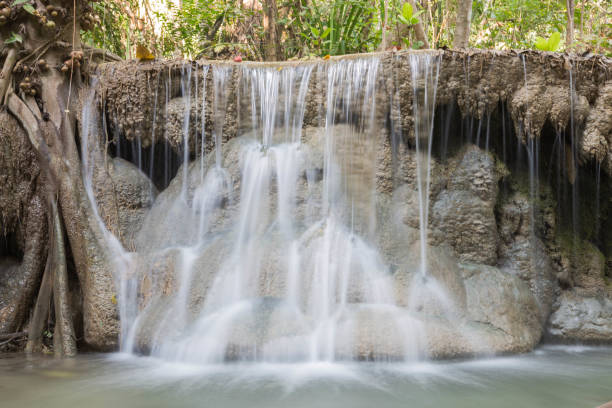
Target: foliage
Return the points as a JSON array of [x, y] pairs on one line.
[[518, 23], [407, 16], [334, 27], [550, 44], [226, 28], [115, 33]]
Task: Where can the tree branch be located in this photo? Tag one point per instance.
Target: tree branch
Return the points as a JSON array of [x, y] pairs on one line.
[[103, 53]]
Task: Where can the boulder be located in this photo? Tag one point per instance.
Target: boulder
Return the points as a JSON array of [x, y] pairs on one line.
[[503, 302], [581, 318]]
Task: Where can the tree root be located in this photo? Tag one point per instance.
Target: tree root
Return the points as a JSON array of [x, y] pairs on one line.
[[54, 282], [64, 339], [41, 310], [12, 336]]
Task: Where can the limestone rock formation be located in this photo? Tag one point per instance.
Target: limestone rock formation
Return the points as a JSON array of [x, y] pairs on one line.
[[523, 253], [463, 214]]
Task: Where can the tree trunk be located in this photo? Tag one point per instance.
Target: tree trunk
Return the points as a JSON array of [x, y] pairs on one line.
[[569, 34], [48, 115], [462, 24], [272, 48], [384, 43]]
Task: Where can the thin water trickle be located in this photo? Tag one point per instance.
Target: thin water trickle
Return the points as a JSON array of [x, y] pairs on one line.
[[425, 71]]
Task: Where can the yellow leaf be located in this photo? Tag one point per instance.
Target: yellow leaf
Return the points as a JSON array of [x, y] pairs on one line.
[[114, 299], [280, 68], [143, 54], [326, 57]]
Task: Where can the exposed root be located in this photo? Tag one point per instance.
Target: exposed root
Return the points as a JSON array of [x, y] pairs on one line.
[[41, 311], [7, 338], [64, 339]]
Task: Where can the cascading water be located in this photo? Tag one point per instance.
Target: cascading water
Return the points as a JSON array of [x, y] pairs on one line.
[[275, 254]]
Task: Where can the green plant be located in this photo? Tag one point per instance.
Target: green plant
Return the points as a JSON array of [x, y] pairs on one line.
[[407, 15], [550, 44], [14, 38]]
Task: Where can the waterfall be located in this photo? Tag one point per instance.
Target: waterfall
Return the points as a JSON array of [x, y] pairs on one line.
[[317, 212], [276, 255]]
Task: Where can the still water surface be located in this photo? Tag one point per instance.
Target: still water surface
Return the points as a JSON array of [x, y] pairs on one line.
[[551, 376]]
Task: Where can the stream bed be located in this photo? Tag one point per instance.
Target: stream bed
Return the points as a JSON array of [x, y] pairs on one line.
[[551, 376]]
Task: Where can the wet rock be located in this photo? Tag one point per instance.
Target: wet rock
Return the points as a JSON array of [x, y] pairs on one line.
[[438, 290], [536, 102], [463, 214], [587, 266], [135, 194], [523, 254], [505, 304], [581, 318]]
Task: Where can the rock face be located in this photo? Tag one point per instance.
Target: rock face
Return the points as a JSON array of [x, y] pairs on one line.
[[463, 214], [522, 252]]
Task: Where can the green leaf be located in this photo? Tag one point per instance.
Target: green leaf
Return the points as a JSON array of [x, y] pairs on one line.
[[326, 33], [403, 19], [18, 2], [28, 7], [407, 11], [553, 41], [541, 44], [315, 31], [13, 39]]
